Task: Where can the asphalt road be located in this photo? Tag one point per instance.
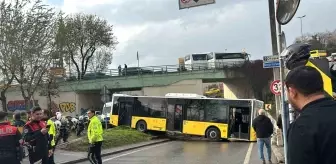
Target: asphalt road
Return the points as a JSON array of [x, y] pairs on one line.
[[192, 152]]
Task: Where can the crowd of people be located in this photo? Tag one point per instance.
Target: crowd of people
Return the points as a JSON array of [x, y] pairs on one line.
[[38, 134]]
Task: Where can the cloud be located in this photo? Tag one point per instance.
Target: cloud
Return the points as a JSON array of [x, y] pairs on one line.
[[162, 33]]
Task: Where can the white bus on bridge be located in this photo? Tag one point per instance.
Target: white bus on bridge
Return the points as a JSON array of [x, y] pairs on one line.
[[196, 61], [220, 60]]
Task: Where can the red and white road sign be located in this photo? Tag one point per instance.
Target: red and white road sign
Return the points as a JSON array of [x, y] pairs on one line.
[[275, 87]]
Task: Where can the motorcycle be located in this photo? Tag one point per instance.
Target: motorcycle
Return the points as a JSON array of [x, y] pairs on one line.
[[63, 131], [81, 125]]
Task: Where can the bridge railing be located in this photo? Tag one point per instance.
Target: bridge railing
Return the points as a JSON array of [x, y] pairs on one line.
[[154, 70]]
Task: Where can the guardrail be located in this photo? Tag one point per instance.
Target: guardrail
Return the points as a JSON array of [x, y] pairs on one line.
[[154, 70]]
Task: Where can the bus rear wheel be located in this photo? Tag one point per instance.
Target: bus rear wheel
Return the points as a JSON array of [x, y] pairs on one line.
[[141, 126], [213, 134]]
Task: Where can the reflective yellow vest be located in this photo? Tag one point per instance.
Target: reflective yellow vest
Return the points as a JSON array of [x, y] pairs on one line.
[[52, 131], [95, 130]]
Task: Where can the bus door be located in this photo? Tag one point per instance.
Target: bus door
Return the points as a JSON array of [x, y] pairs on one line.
[[174, 116], [239, 122], [125, 111]]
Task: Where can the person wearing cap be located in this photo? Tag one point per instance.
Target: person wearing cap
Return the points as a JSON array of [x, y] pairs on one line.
[[10, 142], [95, 136], [35, 133]]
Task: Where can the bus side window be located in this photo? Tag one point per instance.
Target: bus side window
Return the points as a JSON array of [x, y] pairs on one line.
[[216, 110], [210, 56], [115, 109], [158, 108]]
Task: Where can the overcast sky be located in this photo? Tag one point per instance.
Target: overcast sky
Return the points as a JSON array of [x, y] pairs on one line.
[[162, 33]]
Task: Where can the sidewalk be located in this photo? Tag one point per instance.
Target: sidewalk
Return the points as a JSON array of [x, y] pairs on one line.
[[278, 151]]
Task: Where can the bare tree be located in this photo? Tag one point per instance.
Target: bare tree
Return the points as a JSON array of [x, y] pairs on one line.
[[10, 18], [50, 89], [84, 35], [320, 41], [100, 60], [34, 47]]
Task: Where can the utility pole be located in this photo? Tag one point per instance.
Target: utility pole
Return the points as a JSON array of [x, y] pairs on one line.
[[276, 71], [301, 17]]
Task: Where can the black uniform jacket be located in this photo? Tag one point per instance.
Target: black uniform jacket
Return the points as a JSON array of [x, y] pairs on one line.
[[9, 144], [312, 136], [39, 141]]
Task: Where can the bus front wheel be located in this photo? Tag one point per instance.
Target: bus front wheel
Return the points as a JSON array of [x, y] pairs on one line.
[[213, 134], [141, 126]]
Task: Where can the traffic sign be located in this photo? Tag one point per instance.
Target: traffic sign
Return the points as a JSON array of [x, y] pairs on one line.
[[105, 98], [275, 87], [271, 61], [184, 4], [105, 94], [268, 107]]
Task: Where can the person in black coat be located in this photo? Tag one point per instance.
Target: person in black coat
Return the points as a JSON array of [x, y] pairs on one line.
[[312, 135], [263, 126]]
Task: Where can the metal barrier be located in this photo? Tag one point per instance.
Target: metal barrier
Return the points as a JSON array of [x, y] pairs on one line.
[[155, 70]]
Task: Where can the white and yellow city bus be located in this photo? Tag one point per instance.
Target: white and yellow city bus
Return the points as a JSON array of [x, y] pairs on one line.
[[214, 118]]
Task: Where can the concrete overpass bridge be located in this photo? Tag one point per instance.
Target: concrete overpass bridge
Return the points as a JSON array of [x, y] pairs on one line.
[[150, 81], [155, 76]]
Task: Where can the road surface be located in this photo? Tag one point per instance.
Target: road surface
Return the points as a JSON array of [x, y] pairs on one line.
[[192, 152]]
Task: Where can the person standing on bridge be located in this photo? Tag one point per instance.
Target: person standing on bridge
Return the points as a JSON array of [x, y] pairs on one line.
[[263, 126], [312, 136], [125, 69], [95, 136]]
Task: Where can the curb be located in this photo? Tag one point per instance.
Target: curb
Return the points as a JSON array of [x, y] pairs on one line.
[[278, 155], [118, 151]]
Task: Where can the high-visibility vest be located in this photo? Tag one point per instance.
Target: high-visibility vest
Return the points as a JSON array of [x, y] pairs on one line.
[[322, 65]]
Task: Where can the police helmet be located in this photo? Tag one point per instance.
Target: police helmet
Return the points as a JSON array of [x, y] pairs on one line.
[[296, 55]]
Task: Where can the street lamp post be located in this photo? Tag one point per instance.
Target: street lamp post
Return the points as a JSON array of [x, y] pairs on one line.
[[301, 17]]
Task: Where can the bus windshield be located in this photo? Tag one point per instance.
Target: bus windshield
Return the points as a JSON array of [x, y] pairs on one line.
[[107, 110], [197, 57], [230, 56], [186, 58]]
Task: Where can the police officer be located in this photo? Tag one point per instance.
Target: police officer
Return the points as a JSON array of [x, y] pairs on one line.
[[35, 133], [52, 135], [10, 142], [95, 136]]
